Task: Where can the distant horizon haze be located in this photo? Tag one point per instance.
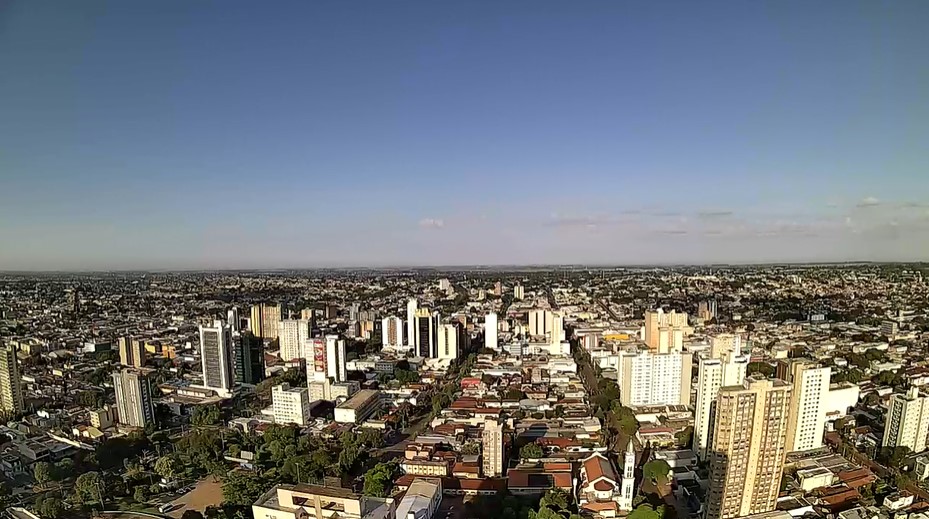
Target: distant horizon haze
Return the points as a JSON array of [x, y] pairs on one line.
[[227, 135]]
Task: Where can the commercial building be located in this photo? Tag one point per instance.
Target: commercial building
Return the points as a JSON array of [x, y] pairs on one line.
[[712, 374], [541, 322], [647, 378], [11, 391], [335, 358], [452, 340], [216, 358], [492, 448], [748, 449], [134, 399], [907, 422], [131, 352], [249, 358], [291, 405], [392, 332], [490, 331], [809, 400], [359, 407], [264, 321], [411, 308], [665, 331], [426, 333], [319, 502], [421, 500]]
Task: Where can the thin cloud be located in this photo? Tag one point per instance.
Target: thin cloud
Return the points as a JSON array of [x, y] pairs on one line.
[[710, 215], [432, 223], [868, 201]]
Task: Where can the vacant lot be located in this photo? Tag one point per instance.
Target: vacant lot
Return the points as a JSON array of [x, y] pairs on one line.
[[207, 492]]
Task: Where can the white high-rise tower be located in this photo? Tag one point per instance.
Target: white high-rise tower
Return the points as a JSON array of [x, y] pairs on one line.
[[411, 307], [490, 331], [712, 374]]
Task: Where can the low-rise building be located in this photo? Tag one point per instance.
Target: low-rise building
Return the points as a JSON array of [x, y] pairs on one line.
[[360, 406]]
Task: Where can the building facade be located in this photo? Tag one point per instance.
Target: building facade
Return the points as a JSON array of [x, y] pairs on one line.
[[131, 352], [392, 332], [490, 331], [907, 422], [665, 331], [134, 399], [291, 405], [748, 449], [216, 358], [647, 378], [809, 400], [264, 321], [492, 448], [712, 374], [11, 391]]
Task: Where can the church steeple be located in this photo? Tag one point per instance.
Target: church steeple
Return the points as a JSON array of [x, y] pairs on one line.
[[628, 479]]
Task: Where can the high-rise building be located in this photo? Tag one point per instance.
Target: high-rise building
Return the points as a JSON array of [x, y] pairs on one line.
[[411, 308], [706, 309], [712, 374], [335, 358], [131, 352], [519, 293], [11, 392], [907, 422], [748, 449], [492, 448], [809, 400], [556, 336], [293, 339], [889, 329], [647, 378], [216, 358], [264, 321], [249, 358], [392, 332], [665, 331], [541, 322], [134, 399], [426, 333], [291, 405], [498, 289], [317, 368], [232, 317], [490, 331], [452, 340]]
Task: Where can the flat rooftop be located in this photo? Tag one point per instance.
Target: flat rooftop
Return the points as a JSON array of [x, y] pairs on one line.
[[359, 399]]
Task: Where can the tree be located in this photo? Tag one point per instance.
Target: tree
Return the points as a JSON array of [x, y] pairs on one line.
[[167, 467], [244, 488], [656, 470], [49, 507], [555, 498], [685, 437], [88, 487], [531, 451], [140, 494], [644, 511], [379, 480], [191, 514], [43, 472], [205, 415]]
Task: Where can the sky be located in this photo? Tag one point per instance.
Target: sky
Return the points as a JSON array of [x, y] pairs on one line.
[[242, 134]]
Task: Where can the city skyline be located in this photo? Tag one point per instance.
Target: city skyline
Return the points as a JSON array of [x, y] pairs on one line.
[[231, 136]]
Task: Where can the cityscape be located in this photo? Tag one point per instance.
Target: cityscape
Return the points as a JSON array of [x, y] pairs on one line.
[[769, 392], [507, 259]]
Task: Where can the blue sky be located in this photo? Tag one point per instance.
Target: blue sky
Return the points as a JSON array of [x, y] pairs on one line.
[[178, 134]]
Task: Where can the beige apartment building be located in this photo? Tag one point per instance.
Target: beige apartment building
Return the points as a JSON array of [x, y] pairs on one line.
[[748, 449]]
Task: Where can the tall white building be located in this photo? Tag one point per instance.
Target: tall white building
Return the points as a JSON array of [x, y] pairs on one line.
[[809, 401], [134, 404], [907, 423], [294, 337], [448, 346], [647, 378], [290, 404], [335, 358], [411, 307], [11, 392], [392, 332], [492, 448], [216, 357], [712, 374], [519, 293], [541, 322], [490, 331], [557, 334]]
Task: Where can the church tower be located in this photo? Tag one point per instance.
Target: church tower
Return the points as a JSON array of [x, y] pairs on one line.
[[628, 480]]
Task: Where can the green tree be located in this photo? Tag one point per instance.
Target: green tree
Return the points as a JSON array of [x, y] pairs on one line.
[[379, 480], [140, 494], [205, 415], [43, 472], [685, 437], [656, 470], [244, 488], [49, 507], [556, 498], [89, 487], [644, 511], [191, 514], [531, 451], [167, 467]]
